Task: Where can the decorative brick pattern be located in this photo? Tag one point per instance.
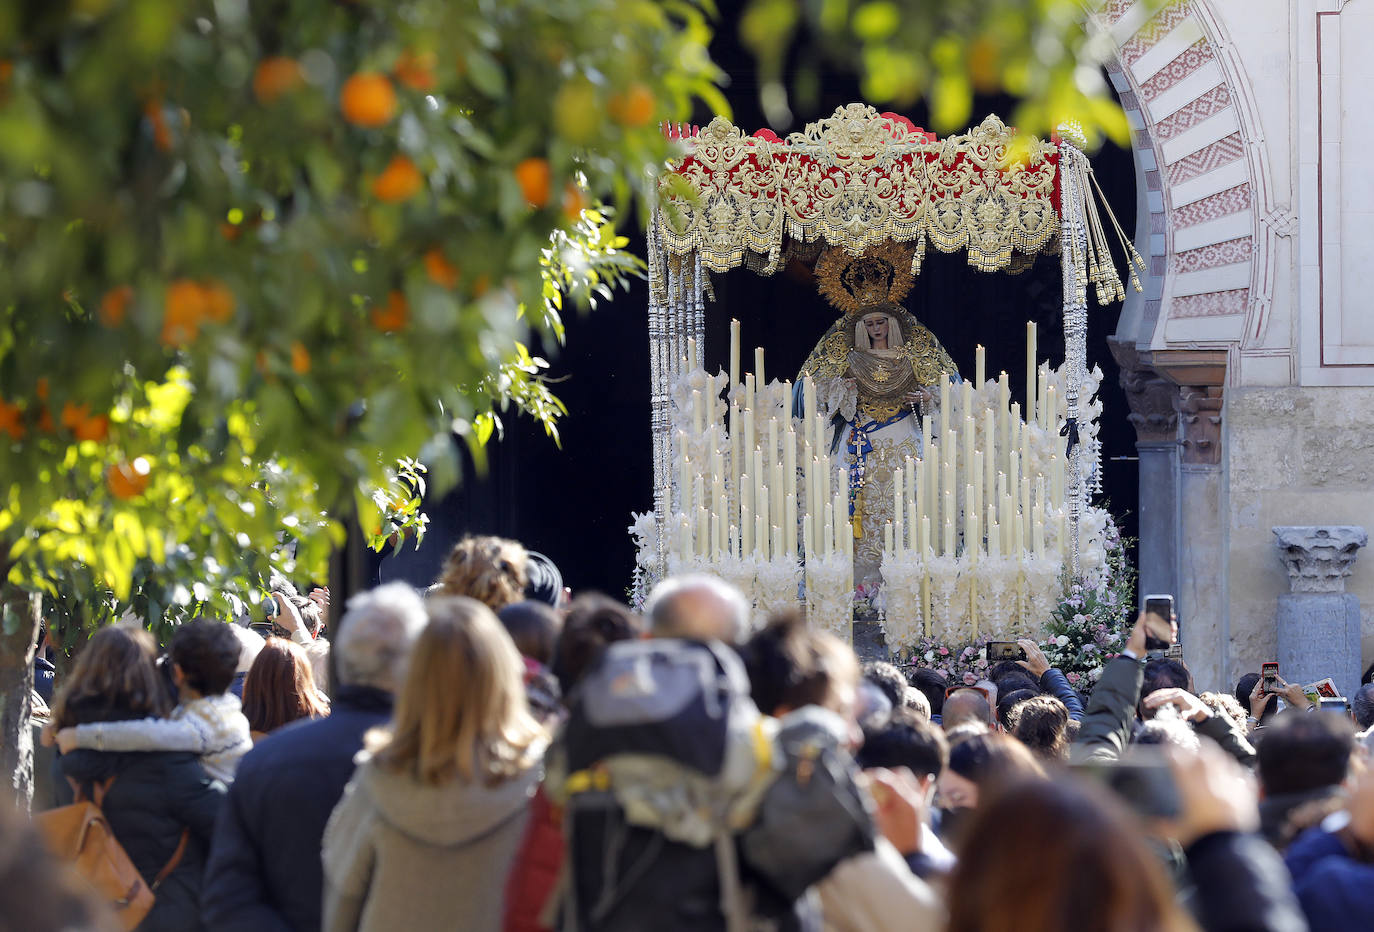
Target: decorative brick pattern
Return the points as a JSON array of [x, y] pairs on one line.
[[1209, 104], [1230, 201], [1216, 304], [1116, 9], [1209, 257], [1161, 25], [1206, 159], [1193, 58]]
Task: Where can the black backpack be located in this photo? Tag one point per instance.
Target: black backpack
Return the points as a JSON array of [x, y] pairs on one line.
[[665, 768]]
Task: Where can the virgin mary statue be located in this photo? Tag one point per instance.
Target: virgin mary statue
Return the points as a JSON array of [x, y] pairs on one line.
[[875, 371]]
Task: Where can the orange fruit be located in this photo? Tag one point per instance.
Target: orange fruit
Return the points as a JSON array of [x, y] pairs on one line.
[[275, 77], [368, 100], [635, 107], [127, 480], [393, 317], [162, 136], [300, 358], [399, 181], [218, 301], [10, 420], [416, 69], [535, 179], [574, 202], [114, 305], [93, 428], [185, 306], [439, 269]]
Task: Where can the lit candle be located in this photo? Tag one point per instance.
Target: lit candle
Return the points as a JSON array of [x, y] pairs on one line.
[[966, 398], [967, 468], [888, 546], [994, 550], [1038, 533], [925, 537], [760, 537], [1041, 406], [979, 366], [1003, 392], [1051, 409], [947, 487], [809, 410], [758, 366], [789, 474], [1030, 369], [1026, 504], [828, 531], [925, 436], [746, 513], [715, 535], [734, 352], [684, 482], [990, 459], [685, 539], [948, 549], [970, 524], [691, 354]]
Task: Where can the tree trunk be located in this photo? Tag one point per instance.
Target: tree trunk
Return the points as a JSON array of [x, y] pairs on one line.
[[19, 623]]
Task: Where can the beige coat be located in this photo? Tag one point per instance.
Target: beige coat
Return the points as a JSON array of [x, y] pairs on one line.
[[400, 855]]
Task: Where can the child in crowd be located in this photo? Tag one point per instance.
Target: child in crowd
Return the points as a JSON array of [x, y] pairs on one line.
[[208, 721]]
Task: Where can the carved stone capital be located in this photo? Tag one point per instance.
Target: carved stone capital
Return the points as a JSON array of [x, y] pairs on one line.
[[1318, 559], [1199, 409], [1149, 396]]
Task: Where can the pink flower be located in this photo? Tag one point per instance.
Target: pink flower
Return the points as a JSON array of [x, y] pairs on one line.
[[944, 652], [970, 679], [1072, 678]]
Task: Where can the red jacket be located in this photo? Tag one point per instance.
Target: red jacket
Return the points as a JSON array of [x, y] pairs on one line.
[[535, 871]]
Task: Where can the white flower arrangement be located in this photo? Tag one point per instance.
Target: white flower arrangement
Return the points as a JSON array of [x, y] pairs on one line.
[[830, 593], [903, 615]]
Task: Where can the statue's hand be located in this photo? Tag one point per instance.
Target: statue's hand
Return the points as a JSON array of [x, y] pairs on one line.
[[920, 396]]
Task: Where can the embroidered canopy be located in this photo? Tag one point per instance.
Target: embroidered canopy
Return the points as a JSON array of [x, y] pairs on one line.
[[858, 179]]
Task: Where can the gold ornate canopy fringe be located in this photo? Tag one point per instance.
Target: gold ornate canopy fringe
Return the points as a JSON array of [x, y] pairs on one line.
[[860, 179]]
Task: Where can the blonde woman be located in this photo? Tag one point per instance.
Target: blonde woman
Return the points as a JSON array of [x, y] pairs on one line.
[[491, 570], [429, 825]]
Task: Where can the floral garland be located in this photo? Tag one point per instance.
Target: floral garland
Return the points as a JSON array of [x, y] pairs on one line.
[[1091, 622]]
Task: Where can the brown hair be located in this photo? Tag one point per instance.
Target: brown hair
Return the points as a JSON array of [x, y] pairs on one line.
[[792, 665], [114, 678], [461, 713], [1041, 724], [280, 687], [1042, 856], [488, 569]]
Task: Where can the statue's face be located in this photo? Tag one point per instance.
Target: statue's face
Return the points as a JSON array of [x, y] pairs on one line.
[[877, 330]]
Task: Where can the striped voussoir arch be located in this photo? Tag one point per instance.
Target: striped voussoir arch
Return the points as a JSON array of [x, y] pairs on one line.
[[1190, 141]]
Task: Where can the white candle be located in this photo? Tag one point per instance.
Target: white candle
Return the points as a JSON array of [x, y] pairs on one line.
[[1041, 400], [789, 473], [966, 399], [750, 402], [979, 366], [746, 513], [898, 484], [888, 546], [1038, 533], [990, 448], [1051, 410], [993, 531], [970, 524], [760, 537], [912, 523], [1026, 505], [944, 407], [691, 354], [758, 366], [828, 531], [685, 539], [925, 537], [948, 549], [734, 352], [807, 540], [1030, 369], [976, 482]]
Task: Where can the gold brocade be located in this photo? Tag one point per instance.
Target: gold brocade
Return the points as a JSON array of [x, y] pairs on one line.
[[926, 358], [880, 410], [886, 456]]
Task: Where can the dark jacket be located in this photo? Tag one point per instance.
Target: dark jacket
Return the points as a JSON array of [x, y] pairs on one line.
[[1054, 683], [1336, 890], [265, 873], [1285, 816], [1108, 720], [1240, 885], [155, 796]]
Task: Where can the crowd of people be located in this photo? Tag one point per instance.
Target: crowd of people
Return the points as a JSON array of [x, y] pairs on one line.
[[495, 755]]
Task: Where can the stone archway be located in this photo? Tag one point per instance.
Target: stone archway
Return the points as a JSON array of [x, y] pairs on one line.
[[1206, 227]]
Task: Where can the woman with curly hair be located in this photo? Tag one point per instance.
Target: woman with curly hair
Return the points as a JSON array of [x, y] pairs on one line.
[[280, 688], [491, 570]]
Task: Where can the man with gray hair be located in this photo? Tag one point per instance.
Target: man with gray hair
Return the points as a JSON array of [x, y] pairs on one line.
[[263, 872], [1362, 707], [698, 607]]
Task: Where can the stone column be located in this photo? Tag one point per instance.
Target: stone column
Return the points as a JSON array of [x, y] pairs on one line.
[[1319, 622], [1202, 550], [1156, 426]]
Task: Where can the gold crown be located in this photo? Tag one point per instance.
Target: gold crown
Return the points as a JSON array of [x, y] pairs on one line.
[[882, 275]]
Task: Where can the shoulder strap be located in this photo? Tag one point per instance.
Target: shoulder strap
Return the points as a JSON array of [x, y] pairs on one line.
[[98, 790], [171, 865]]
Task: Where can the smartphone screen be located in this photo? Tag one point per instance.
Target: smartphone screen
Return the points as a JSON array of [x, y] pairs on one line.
[[1005, 650], [1159, 614], [1269, 676]]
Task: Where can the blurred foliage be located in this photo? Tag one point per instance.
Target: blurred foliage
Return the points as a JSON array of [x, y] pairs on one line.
[[1048, 53], [254, 253]]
